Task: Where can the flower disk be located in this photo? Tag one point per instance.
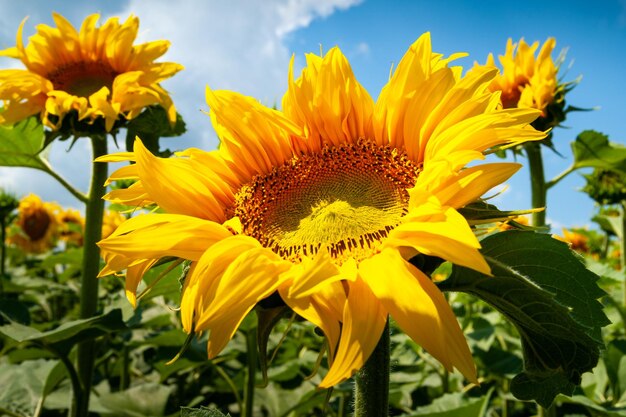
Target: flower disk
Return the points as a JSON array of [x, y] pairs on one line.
[[345, 199]]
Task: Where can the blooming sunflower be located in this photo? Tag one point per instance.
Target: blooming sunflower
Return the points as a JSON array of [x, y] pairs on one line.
[[36, 228], [325, 202], [96, 72], [526, 81]]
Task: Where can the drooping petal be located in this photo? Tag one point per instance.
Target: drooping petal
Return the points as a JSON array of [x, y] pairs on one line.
[[226, 291], [419, 308], [364, 319]]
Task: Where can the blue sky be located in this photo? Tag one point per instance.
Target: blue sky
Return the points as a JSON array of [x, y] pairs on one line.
[[245, 45]]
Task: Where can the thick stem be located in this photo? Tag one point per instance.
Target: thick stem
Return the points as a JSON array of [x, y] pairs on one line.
[[90, 267], [371, 388], [248, 394], [3, 248], [537, 182]]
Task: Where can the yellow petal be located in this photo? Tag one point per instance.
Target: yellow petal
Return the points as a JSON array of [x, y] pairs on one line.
[[180, 186], [328, 102], [157, 235], [364, 319], [439, 231], [134, 274], [419, 308]]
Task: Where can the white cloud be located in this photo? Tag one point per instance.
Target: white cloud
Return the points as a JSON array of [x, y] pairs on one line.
[[362, 48], [238, 45]]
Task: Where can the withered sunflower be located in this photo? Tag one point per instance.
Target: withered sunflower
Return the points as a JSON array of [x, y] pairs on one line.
[[324, 202]]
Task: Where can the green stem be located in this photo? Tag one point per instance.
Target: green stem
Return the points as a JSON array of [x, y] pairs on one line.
[[248, 394], [554, 181], [3, 248], [90, 267], [69, 187], [537, 182], [622, 245], [371, 388]]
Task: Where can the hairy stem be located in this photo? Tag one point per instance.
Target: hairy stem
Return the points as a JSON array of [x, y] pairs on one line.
[[371, 388], [90, 267]]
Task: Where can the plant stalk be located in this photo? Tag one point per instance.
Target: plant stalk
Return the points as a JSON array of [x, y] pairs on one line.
[[90, 267], [371, 388], [3, 249], [622, 247], [248, 394], [538, 186]]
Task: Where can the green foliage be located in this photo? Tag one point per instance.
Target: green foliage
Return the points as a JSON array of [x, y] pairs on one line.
[[593, 149], [21, 145], [151, 125], [201, 412], [64, 337], [25, 386], [551, 298]]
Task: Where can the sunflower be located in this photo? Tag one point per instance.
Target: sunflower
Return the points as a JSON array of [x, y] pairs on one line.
[[324, 202], [96, 72], [71, 227], [526, 81], [36, 228], [577, 241]]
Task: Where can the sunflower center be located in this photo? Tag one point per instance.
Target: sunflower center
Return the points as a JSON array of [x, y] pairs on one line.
[[344, 198], [81, 78], [36, 225]]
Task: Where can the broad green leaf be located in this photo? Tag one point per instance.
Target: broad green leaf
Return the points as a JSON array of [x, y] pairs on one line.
[[21, 144], [590, 404], [593, 149], [146, 400], [64, 337], [542, 287], [201, 412], [23, 386], [483, 212], [611, 224], [455, 405]]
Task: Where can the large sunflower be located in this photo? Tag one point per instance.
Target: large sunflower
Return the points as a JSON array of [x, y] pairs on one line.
[[324, 202], [96, 72], [527, 81], [36, 228]]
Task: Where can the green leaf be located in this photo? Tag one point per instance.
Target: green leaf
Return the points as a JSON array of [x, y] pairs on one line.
[[454, 405], [201, 412], [481, 212], [146, 400], [151, 125], [593, 149], [64, 337], [542, 287], [21, 144], [23, 385]]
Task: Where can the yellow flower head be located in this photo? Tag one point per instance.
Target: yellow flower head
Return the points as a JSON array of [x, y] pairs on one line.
[[96, 72], [325, 202], [71, 227], [36, 227], [526, 81]]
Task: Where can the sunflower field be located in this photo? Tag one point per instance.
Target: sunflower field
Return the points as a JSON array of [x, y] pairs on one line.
[[340, 253]]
